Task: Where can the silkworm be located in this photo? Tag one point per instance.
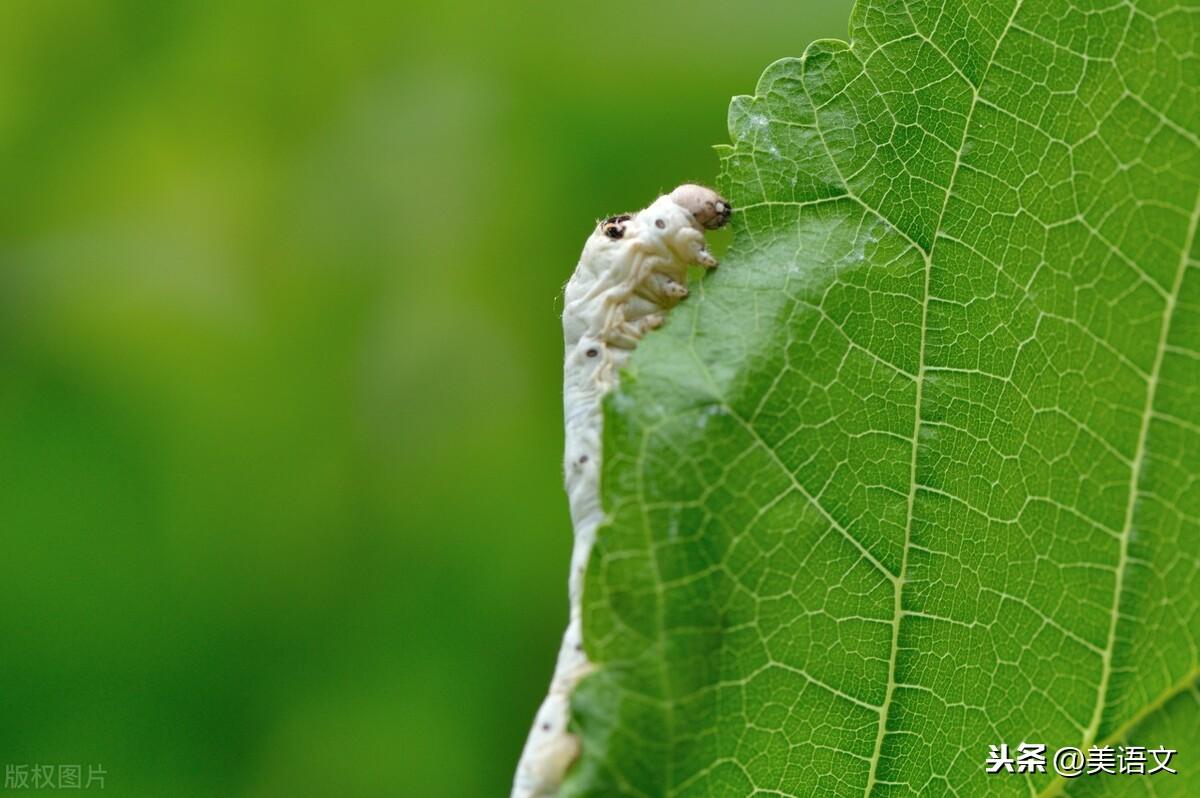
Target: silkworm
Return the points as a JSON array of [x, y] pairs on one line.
[[633, 270]]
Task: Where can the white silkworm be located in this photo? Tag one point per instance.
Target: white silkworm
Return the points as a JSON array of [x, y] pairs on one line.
[[634, 268]]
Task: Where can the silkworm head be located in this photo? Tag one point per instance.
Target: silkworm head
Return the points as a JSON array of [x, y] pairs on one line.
[[707, 207]]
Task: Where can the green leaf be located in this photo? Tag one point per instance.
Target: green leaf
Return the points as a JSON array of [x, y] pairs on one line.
[[917, 471]]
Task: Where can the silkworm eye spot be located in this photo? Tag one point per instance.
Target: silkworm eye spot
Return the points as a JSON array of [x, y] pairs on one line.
[[614, 226], [660, 224], [583, 459], [545, 727], [592, 352]]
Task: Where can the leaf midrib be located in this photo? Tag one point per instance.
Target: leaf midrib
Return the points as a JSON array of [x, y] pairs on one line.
[[898, 608]]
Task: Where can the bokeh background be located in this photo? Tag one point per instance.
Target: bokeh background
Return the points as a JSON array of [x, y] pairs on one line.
[[280, 367]]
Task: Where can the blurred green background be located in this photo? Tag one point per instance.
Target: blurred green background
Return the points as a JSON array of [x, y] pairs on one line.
[[280, 398]]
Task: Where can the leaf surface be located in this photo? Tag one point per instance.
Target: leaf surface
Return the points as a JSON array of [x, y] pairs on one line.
[[917, 471]]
